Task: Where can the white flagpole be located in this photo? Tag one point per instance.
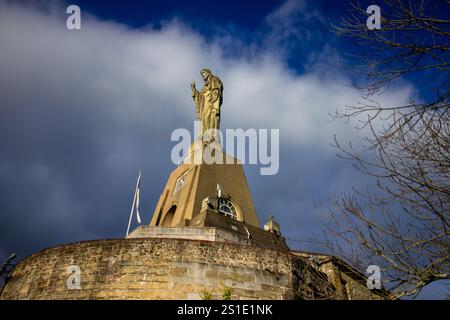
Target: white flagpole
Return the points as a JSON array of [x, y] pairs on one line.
[[138, 198], [134, 201]]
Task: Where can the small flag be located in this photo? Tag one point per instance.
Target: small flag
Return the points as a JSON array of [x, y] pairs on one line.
[[138, 196], [135, 205]]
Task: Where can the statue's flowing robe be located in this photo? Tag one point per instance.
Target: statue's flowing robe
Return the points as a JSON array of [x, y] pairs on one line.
[[208, 102]]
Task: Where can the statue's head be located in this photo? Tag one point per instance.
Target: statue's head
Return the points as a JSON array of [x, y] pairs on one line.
[[205, 73]]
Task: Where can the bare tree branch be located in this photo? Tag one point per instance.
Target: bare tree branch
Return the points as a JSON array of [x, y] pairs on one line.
[[402, 225]]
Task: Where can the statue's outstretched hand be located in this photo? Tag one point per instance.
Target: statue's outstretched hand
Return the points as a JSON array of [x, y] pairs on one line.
[[194, 90]]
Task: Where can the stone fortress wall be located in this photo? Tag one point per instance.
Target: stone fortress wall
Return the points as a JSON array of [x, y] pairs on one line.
[[153, 269], [144, 268]]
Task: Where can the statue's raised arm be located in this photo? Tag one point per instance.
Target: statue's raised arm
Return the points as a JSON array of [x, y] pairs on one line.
[[195, 96]]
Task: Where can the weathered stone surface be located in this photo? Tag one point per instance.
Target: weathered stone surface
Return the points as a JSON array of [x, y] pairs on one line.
[[149, 269], [167, 269]]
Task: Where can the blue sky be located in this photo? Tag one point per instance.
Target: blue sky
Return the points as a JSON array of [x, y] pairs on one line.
[[83, 111], [248, 21]]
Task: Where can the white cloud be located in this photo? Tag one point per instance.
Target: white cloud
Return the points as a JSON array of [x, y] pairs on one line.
[[144, 76]]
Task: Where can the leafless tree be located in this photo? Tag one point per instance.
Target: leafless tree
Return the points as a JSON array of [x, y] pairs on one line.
[[402, 225]]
